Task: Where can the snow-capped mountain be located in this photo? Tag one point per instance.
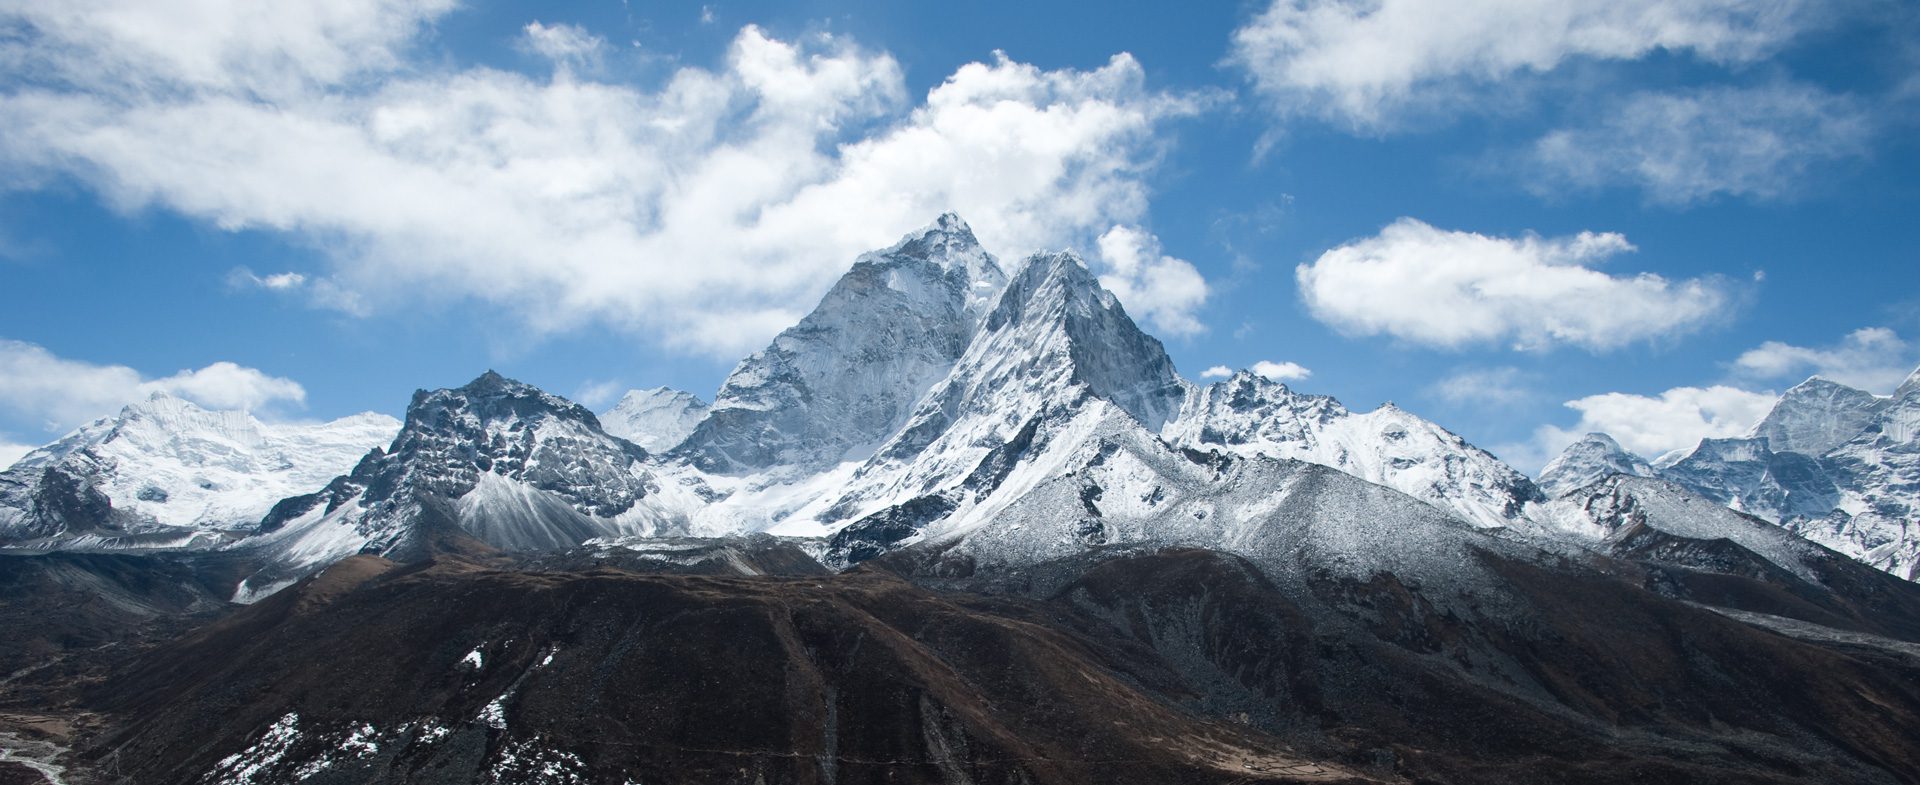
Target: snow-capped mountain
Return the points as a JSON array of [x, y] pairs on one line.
[[1250, 415], [1834, 464], [163, 469], [656, 419], [1877, 473], [1745, 475], [1056, 356], [927, 391], [1116, 486], [1593, 458], [930, 398], [1816, 416], [1053, 344], [498, 460], [845, 378], [1644, 515]]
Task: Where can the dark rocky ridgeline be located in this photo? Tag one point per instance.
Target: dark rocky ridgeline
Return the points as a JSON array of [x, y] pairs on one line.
[[1152, 667], [460, 673], [1588, 673], [1594, 682], [53, 605]]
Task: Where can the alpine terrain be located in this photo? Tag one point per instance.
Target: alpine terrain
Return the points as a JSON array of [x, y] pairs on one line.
[[963, 523]]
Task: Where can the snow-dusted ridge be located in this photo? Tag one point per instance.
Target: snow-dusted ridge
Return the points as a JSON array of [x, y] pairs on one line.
[[1251, 415], [164, 470], [1836, 465], [657, 419], [1593, 458], [499, 460], [932, 401], [927, 394]]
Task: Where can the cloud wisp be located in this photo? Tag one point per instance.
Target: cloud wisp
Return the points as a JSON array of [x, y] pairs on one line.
[[1371, 65], [1680, 148]]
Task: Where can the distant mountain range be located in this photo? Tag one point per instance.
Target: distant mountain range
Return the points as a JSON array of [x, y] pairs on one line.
[[1012, 537], [1836, 465]]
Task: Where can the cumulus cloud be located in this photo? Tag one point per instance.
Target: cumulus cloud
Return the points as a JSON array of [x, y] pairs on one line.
[[1369, 63], [62, 393], [1451, 288], [1163, 289], [706, 212], [1216, 372], [1280, 371], [1875, 359], [1484, 387], [1686, 147]]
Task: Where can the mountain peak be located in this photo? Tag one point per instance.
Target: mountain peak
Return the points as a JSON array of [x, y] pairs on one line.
[[657, 419], [1595, 457], [493, 396], [1055, 303], [949, 243], [490, 381], [838, 383], [1815, 416], [1909, 387]]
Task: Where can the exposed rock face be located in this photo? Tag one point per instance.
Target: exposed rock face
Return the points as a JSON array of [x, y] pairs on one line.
[[833, 386], [1746, 475], [1816, 416], [1189, 665], [1877, 473], [497, 460], [1837, 465], [461, 674]]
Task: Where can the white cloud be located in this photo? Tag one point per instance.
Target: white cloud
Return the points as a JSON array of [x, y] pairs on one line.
[[1450, 288], [61, 393], [1280, 371], [1501, 386], [230, 46], [1687, 147], [225, 385], [242, 277], [564, 44], [11, 452], [706, 213], [1369, 63], [1875, 359], [1276, 371], [1161, 288], [1650, 426]]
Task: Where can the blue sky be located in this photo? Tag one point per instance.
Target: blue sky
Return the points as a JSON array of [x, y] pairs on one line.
[[1523, 220]]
